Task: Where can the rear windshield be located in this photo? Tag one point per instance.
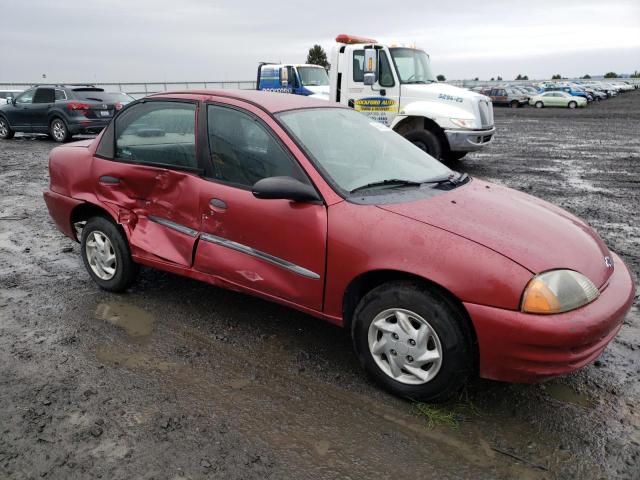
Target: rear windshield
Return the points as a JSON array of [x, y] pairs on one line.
[[102, 96]]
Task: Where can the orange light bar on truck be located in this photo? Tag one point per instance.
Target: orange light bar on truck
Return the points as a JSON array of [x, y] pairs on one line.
[[353, 39]]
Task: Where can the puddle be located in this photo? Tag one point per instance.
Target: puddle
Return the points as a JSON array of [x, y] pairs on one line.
[[136, 322], [564, 393]]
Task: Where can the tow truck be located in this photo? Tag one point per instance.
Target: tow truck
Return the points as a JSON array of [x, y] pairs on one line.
[[300, 79], [395, 86]]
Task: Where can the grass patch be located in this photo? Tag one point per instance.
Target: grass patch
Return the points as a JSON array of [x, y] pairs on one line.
[[446, 415], [436, 416]]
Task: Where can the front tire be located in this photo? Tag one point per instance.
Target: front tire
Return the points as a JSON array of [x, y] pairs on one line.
[[451, 157], [59, 130], [427, 141], [539, 104], [514, 104], [6, 132], [413, 340], [573, 104], [106, 255]]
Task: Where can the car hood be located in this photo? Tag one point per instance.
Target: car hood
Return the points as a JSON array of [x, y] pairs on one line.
[[531, 232]]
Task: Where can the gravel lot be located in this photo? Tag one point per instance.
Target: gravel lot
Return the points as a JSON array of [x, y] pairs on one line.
[[180, 380]]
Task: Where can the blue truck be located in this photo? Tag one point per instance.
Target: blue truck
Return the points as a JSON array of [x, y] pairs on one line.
[[299, 79]]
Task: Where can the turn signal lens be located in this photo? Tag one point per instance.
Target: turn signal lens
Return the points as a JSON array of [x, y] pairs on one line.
[[558, 291]]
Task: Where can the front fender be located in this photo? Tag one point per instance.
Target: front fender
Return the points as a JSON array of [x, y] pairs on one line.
[[471, 272], [436, 111]]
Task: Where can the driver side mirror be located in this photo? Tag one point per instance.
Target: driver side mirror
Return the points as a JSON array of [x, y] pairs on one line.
[[284, 188], [370, 65], [284, 77]]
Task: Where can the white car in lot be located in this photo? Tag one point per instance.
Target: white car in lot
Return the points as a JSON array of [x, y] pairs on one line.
[[557, 99]]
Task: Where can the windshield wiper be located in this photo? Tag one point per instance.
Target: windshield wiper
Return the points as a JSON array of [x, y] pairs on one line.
[[392, 182], [453, 178]]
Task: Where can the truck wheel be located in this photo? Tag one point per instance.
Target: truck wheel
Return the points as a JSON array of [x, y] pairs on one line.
[[5, 130], [539, 104], [514, 104], [413, 340], [573, 104], [425, 140], [106, 256], [453, 156]]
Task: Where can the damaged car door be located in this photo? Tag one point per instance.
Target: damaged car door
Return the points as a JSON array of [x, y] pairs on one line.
[[275, 246], [153, 177]]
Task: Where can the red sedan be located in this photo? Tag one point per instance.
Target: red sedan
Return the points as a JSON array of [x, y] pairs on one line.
[[437, 276]]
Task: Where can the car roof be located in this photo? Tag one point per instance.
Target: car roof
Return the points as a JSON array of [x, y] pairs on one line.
[[270, 101]]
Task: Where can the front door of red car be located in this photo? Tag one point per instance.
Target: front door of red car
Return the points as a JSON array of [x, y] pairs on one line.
[[154, 175], [274, 247]]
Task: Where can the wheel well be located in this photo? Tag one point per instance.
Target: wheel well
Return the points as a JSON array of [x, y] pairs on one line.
[[84, 212], [417, 123], [366, 282]]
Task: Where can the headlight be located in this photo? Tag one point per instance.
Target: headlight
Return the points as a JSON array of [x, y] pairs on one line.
[[558, 291], [464, 122]]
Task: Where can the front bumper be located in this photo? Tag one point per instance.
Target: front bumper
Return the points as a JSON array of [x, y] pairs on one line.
[[521, 347], [469, 140]]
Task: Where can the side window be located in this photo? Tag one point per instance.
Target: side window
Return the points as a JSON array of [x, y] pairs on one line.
[[44, 95], [158, 133], [358, 65], [243, 151], [26, 97], [385, 76], [60, 95]]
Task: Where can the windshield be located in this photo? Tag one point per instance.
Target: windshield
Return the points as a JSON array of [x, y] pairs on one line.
[[313, 77], [412, 65], [354, 151], [102, 96]]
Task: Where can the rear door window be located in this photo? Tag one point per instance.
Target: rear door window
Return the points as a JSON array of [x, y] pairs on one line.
[[158, 133], [44, 95]]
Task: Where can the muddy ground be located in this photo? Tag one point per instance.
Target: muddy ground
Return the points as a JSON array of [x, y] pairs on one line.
[[179, 380]]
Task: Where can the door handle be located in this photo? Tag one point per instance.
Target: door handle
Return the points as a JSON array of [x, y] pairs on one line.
[[109, 180], [217, 204]]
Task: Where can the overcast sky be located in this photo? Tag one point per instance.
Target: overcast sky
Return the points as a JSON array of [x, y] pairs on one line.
[[164, 40]]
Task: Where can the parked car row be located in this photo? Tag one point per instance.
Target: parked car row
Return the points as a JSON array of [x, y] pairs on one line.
[[60, 111], [554, 94]]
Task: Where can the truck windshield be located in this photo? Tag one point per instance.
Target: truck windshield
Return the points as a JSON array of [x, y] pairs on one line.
[[412, 65], [354, 151], [313, 77]]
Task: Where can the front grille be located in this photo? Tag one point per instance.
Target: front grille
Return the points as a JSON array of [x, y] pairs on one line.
[[486, 113]]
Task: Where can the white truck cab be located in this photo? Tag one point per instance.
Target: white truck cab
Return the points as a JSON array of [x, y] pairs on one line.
[[395, 86]]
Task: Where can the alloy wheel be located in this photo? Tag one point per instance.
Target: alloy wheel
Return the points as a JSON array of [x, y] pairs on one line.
[[4, 128], [405, 346], [59, 131]]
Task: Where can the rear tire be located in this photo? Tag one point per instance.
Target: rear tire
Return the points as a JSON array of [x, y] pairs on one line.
[[427, 141], [59, 131], [572, 104], [514, 104], [389, 337], [539, 104], [6, 132], [106, 255]]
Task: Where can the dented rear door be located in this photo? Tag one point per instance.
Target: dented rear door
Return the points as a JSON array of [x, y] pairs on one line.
[[153, 180]]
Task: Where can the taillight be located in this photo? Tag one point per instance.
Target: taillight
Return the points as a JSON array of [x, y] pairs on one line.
[[78, 106]]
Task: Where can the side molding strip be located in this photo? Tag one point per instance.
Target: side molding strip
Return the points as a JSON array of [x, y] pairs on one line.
[[279, 262], [174, 226]]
